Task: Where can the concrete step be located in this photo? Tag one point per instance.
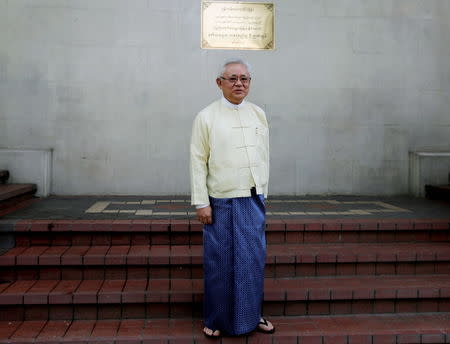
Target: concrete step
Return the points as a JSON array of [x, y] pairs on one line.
[[374, 329], [181, 297], [12, 194]]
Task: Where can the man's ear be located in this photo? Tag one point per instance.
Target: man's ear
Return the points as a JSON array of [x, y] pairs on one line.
[[219, 82]]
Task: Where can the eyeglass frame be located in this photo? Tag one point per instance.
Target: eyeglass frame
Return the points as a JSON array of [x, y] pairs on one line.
[[246, 82]]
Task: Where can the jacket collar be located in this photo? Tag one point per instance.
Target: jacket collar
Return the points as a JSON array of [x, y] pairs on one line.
[[230, 105]]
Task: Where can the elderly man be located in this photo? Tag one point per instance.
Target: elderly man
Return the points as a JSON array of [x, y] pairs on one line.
[[229, 176]]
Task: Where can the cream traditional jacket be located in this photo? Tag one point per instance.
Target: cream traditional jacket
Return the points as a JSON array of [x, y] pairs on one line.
[[229, 152]]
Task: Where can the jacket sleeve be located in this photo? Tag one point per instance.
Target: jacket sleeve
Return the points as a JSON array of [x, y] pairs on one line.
[[199, 155]]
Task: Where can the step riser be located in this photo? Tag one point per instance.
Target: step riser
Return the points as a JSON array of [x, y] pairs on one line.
[[195, 238], [196, 271], [194, 309]]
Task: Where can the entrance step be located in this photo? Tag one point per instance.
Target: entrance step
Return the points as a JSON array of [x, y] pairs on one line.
[[183, 297], [12, 194], [189, 232], [181, 261], [376, 329]]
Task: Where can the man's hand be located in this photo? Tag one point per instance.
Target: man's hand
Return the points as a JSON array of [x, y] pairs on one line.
[[204, 215]]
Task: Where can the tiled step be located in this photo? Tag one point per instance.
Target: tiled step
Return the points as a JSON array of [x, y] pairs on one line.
[[167, 255], [119, 262], [12, 194], [172, 297], [373, 329], [189, 232]]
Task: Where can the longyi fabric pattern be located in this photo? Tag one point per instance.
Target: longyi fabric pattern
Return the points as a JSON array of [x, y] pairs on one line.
[[234, 258]]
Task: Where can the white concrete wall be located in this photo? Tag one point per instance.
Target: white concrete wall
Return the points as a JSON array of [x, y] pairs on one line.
[[113, 85]]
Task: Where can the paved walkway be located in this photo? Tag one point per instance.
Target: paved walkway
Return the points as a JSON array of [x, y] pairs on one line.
[[178, 207]]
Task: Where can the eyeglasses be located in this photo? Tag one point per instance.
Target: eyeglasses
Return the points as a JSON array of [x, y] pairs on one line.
[[234, 79]]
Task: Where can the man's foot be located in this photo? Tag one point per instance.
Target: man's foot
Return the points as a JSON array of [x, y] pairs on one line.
[[265, 326], [211, 333]]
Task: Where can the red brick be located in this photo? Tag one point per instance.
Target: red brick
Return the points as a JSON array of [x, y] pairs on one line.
[[179, 239], [160, 225], [406, 306], [87, 291], [312, 237], [158, 290], [36, 312], [15, 291], [101, 239], [159, 255], [160, 239], [360, 339], [28, 330], [105, 329], [140, 239], [22, 240], [82, 225], [109, 311], [79, 330], [85, 312], [408, 339], [120, 239], [179, 225], [52, 256], [140, 225], [275, 237], [362, 306], [134, 291], [137, 272], [63, 291], [30, 255], [138, 255], [334, 339], [275, 225], [60, 312], [117, 255], [90, 273], [158, 310], [293, 309], [341, 307], [95, 255], [115, 273], [9, 257], [384, 306], [284, 270], [384, 339], [38, 293], [317, 308], [52, 330], [121, 225], [71, 273], [82, 239], [74, 255], [7, 328], [111, 291], [22, 226], [130, 329], [428, 306]]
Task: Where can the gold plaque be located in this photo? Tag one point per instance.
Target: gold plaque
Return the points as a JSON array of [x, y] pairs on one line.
[[237, 25]]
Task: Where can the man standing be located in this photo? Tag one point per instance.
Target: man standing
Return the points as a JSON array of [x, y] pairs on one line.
[[229, 174]]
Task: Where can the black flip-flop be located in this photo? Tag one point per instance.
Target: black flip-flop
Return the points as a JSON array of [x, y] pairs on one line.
[[265, 323]]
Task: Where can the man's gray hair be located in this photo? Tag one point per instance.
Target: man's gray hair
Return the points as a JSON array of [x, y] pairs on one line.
[[234, 61]]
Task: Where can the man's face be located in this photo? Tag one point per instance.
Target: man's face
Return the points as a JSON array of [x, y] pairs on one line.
[[236, 89]]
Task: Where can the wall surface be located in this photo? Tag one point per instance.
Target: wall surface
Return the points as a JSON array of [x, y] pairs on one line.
[[112, 86]]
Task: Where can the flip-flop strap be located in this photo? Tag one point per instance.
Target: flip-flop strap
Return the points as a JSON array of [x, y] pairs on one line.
[[263, 322]]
